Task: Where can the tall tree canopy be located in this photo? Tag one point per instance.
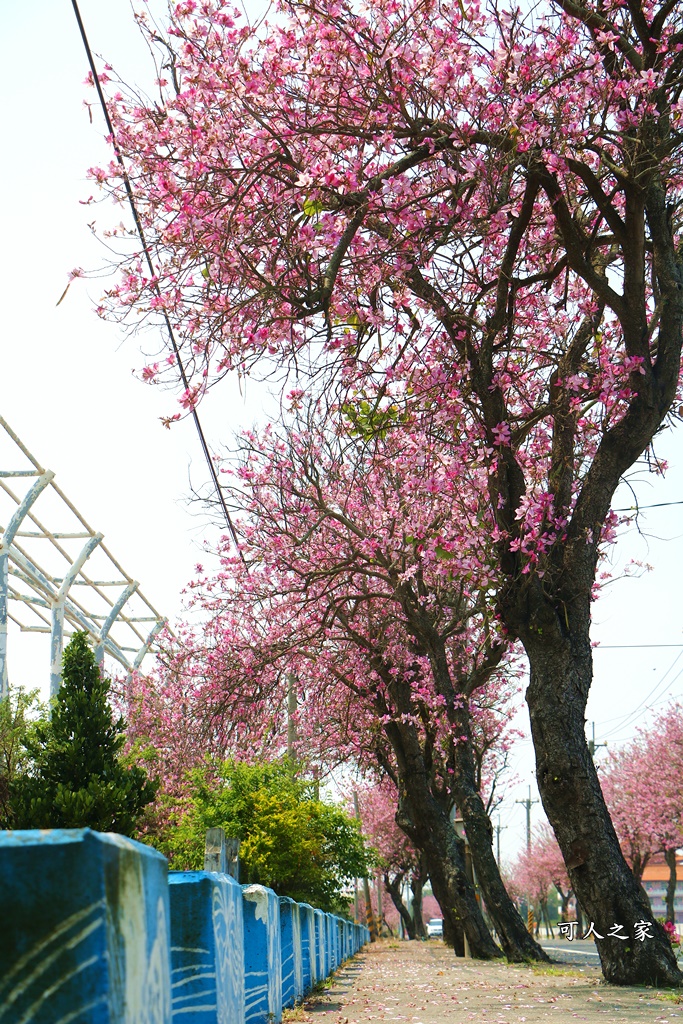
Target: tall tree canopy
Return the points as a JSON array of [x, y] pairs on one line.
[[470, 213]]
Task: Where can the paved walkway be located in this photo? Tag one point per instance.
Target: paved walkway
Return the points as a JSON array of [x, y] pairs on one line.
[[423, 983]]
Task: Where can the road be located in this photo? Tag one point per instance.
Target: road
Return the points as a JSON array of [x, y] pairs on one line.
[[578, 951]]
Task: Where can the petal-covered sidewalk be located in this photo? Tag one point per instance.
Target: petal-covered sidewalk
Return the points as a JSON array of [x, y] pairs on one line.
[[422, 983]]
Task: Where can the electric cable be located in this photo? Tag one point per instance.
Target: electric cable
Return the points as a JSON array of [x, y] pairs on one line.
[[632, 647], [640, 508], [148, 258], [628, 718]]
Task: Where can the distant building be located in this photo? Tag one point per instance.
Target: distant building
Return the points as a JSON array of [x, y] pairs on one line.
[[655, 881]]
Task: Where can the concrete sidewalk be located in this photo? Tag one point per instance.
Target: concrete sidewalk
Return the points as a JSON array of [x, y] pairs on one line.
[[423, 983]]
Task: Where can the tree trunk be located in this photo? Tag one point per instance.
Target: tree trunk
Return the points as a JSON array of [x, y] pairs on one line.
[[579, 917], [428, 826], [518, 944], [425, 821], [670, 858], [546, 914], [565, 898], [638, 865], [561, 673], [417, 882], [393, 887], [454, 936]]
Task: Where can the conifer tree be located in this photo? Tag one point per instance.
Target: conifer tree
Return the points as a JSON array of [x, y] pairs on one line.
[[77, 778]]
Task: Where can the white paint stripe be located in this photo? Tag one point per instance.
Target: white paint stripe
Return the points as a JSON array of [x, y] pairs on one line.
[[193, 977], [39, 947], [575, 952], [24, 983]]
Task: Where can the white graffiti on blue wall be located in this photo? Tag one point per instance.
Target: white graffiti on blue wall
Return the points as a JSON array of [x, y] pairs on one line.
[[95, 931]]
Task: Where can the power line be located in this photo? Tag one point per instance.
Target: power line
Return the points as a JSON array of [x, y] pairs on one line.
[[630, 647], [155, 286], [640, 508], [627, 719]]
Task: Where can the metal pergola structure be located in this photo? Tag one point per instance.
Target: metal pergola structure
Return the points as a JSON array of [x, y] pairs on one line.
[[61, 578]]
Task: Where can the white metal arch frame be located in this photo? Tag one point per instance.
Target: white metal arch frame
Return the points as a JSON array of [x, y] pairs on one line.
[[62, 596]]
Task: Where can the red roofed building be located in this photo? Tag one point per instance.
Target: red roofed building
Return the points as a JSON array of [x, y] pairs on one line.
[[655, 881]]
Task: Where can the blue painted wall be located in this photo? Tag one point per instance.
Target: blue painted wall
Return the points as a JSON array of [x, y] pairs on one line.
[[207, 948], [262, 956], [309, 960], [84, 929], [87, 936], [321, 943], [290, 940]]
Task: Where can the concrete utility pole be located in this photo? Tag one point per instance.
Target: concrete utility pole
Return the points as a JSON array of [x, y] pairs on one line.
[[291, 716], [527, 803], [592, 745], [499, 828], [370, 917]]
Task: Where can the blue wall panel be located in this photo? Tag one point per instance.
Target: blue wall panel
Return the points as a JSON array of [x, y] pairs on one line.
[[290, 938], [207, 948], [262, 955], [87, 937], [309, 960], [84, 933], [321, 943]]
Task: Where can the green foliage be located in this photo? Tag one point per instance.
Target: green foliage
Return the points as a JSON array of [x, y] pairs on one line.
[[367, 420], [18, 714], [298, 845], [76, 776], [312, 207]]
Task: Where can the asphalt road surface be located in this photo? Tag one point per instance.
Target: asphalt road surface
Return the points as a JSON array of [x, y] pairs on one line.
[[581, 952]]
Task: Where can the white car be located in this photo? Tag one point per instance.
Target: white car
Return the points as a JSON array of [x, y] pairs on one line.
[[435, 928]]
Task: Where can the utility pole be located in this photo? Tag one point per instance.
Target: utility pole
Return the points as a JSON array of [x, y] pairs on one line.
[[527, 803], [291, 716], [370, 917], [592, 745], [499, 828]]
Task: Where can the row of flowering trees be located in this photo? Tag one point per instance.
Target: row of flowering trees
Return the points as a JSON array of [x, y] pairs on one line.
[[474, 272], [539, 873], [391, 655]]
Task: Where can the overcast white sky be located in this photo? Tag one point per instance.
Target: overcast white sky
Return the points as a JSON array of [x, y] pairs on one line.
[[67, 387]]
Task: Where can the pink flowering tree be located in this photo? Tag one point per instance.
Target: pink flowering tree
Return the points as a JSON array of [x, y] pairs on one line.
[[538, 871], [632, 795], [643, 787], [396, 660], [457, 208], [400, 863], [667, 735], [171, 730]]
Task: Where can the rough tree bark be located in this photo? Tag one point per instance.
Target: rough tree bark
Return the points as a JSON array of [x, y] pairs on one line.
[[417, 882], [551, 612], [670, 858], [393, 886], [517, 943], [573, 801], [426, 822], [429, 828]]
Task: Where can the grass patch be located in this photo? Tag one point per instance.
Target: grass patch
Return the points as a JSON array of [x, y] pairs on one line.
[[555, 970], [295, 1014], [670, 995]]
